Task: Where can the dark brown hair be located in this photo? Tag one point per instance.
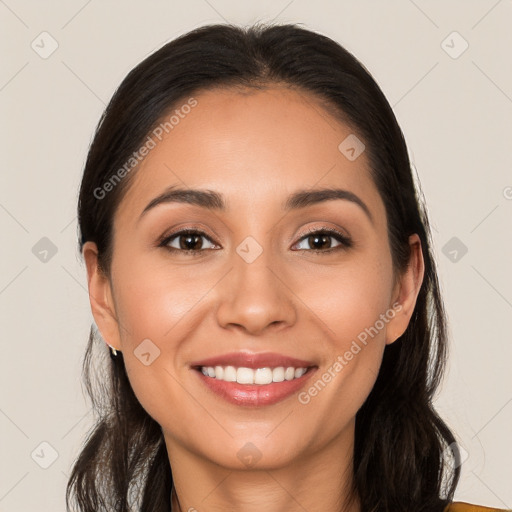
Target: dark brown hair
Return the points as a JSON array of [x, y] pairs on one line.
[[402, 447]]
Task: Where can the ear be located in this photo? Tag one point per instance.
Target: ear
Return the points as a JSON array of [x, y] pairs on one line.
[[101, 298], [405, 292]]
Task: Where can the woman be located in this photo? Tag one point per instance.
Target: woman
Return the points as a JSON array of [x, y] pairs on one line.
[[260, 265]]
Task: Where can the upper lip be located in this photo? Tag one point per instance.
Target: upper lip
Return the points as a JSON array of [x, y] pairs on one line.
[[251, 360]]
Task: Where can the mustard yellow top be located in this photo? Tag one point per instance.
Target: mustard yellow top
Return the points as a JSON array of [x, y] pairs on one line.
[[460, 506]]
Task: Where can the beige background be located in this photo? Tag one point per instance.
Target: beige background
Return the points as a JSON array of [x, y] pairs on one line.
[[456, 116]]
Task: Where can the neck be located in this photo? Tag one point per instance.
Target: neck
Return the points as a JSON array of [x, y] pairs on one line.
[[320, 481]]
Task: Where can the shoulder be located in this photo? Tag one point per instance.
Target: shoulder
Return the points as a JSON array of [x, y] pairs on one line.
[[460, 506]]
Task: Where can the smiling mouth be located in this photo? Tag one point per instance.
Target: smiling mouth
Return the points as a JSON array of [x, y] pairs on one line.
[[250, 376], [254, 387], [253, 379]]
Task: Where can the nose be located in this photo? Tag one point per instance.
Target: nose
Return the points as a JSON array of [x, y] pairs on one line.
[[255, 297]]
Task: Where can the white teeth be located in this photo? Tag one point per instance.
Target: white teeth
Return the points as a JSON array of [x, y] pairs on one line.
[[263, 376], [259, 376], [219, 372], [229, 374], [245, 376], [289, 374], [278, 374], [299, 372]]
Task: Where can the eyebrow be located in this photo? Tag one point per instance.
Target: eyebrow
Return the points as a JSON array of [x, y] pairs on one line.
[[214, 201]]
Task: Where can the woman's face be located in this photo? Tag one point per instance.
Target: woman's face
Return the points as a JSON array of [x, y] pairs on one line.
[[257, 283]]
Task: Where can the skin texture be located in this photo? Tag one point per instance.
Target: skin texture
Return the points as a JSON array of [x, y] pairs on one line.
[[255, 148]]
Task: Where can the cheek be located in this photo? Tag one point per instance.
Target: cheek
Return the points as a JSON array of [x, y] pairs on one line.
[[152, 308], [152, 298], [157, 306], [350, 300], [353, 306]]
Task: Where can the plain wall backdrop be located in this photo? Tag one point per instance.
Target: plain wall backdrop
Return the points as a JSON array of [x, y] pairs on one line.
[[445, 68]]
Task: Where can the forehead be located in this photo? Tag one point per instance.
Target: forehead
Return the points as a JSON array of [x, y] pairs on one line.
[[255, 147]]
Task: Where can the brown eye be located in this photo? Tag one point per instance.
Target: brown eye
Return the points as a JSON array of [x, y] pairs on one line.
[[321, 241], [186, 241]]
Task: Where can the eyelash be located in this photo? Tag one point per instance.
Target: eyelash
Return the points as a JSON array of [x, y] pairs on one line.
[[345, 241]]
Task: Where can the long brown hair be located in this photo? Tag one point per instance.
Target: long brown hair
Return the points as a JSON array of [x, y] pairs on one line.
[[401, 444]]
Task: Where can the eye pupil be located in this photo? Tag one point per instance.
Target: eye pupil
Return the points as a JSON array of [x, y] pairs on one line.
[[191, 242], [313, 240]]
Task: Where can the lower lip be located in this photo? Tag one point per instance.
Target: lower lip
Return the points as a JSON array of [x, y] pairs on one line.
[[255, 395]]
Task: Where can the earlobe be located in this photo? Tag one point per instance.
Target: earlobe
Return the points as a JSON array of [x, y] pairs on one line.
[[100, 297], [406, 291]]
